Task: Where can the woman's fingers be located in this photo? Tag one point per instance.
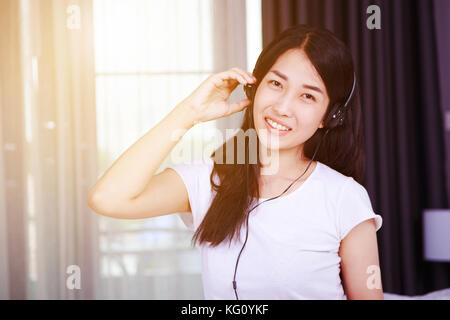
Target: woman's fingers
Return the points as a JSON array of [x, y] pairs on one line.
[[241, 76], [237, 106], [209, 99], [227, 75], [247, 75]]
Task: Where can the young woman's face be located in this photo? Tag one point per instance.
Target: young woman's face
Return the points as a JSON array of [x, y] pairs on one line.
[[291, 96]]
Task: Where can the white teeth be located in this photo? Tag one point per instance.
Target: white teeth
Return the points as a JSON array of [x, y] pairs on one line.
[[276, 125]]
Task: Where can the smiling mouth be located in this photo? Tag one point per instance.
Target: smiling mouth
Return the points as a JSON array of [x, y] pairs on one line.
[[276, 126]]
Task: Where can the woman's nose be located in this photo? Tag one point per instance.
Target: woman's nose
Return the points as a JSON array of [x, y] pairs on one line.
[[282, 107]]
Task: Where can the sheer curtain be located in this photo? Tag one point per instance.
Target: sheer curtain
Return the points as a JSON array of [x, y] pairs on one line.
[[48, 146], [144, 66], [80, 82]]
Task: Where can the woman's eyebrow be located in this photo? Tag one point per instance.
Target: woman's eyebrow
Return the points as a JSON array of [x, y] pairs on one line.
[[307, 86]]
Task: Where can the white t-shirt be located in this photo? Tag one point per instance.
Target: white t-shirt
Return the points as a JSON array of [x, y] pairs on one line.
[[293, 241]]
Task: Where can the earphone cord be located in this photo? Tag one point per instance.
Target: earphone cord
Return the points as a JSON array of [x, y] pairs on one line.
[[248, 214]]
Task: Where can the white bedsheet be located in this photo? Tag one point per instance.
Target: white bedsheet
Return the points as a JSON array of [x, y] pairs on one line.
[[443, 294]]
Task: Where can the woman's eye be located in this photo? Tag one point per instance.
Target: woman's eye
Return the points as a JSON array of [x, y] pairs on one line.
[[307, 95], [310, 97], [275, 82]]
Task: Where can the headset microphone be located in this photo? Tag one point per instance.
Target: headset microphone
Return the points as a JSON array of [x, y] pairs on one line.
[[335, 118]]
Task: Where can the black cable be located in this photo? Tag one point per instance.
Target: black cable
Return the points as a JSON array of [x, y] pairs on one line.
[[248, 214]]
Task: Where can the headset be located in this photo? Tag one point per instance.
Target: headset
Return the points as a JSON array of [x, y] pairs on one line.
[[334, 119]]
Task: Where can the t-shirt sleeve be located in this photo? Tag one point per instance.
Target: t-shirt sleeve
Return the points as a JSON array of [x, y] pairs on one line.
[[195, 175], [354, 207]]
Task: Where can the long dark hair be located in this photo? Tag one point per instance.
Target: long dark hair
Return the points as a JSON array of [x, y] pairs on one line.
[[342, 148]]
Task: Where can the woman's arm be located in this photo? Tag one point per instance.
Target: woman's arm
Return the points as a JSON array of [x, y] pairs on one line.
[[116, 193], [359, 263], [129, 189]]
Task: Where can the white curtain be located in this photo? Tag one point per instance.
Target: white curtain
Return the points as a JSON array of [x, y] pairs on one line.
[[87, 78], [48, 149], [4, 272]]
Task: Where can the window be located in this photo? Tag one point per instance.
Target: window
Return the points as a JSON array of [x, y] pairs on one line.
[[149, 55]]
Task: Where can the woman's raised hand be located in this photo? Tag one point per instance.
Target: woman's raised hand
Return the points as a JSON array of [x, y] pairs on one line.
[[208, 101]]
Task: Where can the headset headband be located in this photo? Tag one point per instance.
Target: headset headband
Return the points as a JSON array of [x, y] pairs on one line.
[[353, 88]]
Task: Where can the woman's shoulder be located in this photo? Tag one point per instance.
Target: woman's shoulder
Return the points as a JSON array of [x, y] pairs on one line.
[[335, 181], [195, 169], [332, 176], [205, 162]]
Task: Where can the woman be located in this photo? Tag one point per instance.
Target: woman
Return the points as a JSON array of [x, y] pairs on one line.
[[309, 227]]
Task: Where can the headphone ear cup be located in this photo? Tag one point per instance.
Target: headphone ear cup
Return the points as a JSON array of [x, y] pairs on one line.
[[335, 117], [249, 91]]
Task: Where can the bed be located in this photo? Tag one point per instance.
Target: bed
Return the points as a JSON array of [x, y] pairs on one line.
[[443, 294]]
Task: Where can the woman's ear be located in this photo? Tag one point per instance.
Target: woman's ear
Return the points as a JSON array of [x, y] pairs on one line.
[[324, 118]]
